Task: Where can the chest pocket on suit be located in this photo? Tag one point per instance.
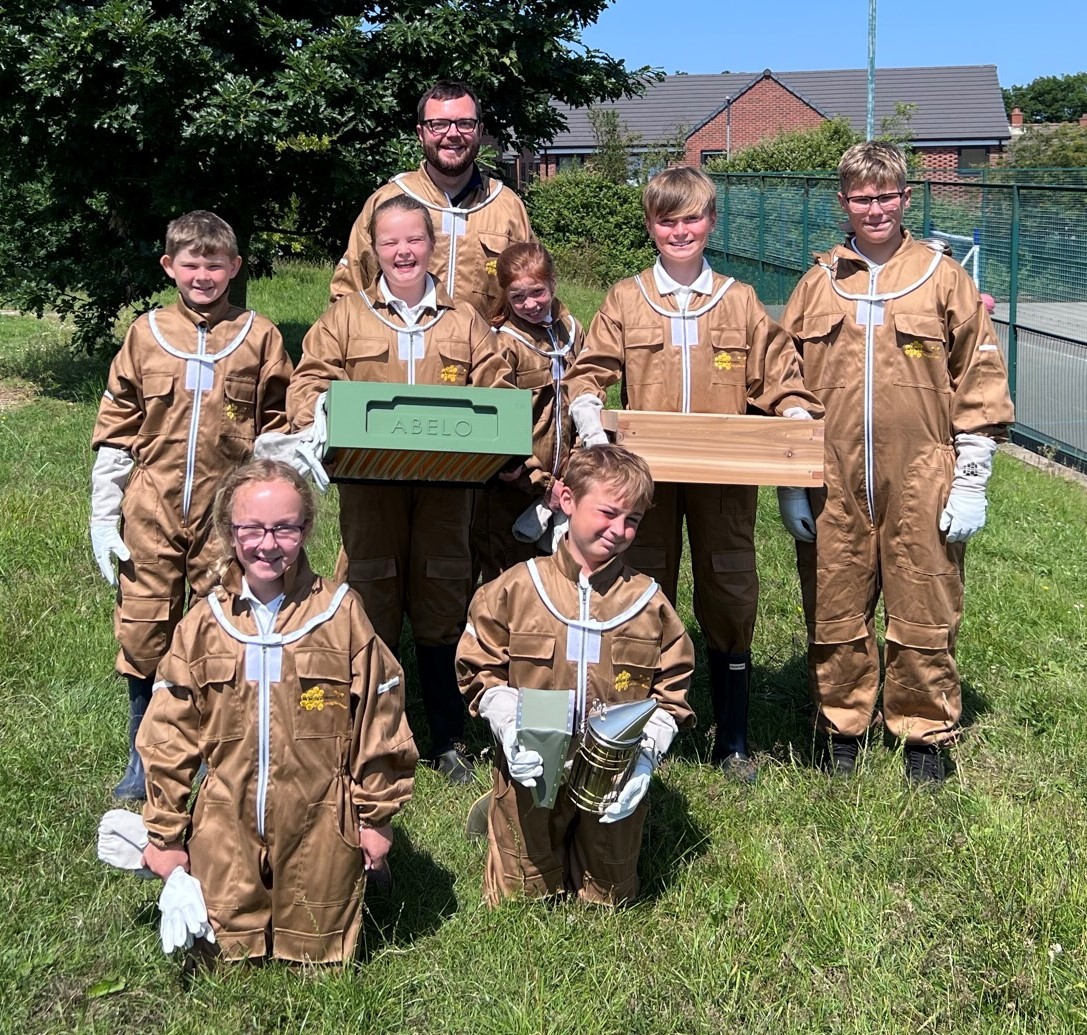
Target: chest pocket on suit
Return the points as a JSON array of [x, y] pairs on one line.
[[239, 411], [455, 356], [920, 359], [530, 374], [484, 284], [635, 663], [322, 698], [643, 356], [729, 362], [158, 398], [532, 658], [823, 355], [367, 358], [224, 702]]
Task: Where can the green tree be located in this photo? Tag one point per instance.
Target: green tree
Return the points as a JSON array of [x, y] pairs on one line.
[[1049, 98], [613, 156], [1052, 147], [119, 114]]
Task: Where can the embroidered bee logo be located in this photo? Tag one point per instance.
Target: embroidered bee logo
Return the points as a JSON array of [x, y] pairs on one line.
[[231, 411], [492, 267], [450, 373], [317, 698], [919, 350], [622, 681], [723, 361]]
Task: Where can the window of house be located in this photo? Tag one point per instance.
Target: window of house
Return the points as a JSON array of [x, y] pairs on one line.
[[705, 156], [973, 158]]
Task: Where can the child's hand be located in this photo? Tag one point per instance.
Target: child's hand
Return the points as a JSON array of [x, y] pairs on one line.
[[163, 861], [375, 843]]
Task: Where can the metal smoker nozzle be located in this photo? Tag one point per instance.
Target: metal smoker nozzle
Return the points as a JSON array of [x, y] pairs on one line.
[[622, 724]]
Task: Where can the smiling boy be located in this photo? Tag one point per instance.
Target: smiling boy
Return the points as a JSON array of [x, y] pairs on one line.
[[898, 347], [191, 387], [685, 339], [526, 630]]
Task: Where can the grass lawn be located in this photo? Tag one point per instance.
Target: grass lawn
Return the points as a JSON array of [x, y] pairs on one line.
[[796, 905]]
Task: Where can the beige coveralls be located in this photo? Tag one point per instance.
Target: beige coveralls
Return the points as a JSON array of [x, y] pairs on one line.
[[900, 375], [470, 237], [512, 638], [723, 356], [304, 736], [404, 547], [540, 357], [186, 397]]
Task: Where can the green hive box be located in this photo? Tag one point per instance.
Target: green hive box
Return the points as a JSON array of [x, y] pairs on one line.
[[424, 433]]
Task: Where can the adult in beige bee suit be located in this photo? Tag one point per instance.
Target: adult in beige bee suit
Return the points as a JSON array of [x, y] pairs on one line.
[[897, 346], [476, 217]]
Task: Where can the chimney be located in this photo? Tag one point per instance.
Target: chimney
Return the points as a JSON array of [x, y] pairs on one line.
[[1017, 117]]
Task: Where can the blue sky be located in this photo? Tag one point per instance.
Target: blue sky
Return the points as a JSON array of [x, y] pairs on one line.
[[1045, 37]]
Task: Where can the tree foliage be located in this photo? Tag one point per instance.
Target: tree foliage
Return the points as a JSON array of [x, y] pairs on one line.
[[120, 114], [1049, 98], [1053, 147], [622, 156], [593, 226]]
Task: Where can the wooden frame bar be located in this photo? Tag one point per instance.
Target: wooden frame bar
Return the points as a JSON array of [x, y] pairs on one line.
[[722, 449]]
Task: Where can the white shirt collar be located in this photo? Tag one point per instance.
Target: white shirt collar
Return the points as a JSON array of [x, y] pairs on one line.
[[703, 283], [409, 313], [263, 614]]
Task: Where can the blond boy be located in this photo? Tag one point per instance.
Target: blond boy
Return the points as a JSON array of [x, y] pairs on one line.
[[523, 632], [896, 344], [685, 339], [191, 387]]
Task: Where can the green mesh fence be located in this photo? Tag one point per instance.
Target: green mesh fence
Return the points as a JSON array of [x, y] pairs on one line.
[[1025, 243]]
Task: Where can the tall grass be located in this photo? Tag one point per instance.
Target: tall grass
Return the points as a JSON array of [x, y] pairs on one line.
[[798, 905]]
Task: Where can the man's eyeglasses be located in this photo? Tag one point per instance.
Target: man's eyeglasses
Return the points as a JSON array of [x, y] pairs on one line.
[[253, 535], [863, 202], [439, 127]]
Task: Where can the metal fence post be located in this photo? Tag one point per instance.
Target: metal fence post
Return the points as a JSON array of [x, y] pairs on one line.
[[926, 210], [805, 230], [1013, 294], [762, 225]]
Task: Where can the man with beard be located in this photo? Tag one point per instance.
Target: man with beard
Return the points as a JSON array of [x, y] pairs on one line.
[[476, 216]]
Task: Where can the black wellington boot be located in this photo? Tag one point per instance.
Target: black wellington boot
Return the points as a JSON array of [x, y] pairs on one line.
[[131, 787], [730, 685], [444, 710]]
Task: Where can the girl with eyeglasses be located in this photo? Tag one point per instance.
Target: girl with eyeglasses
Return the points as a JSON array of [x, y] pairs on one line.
[[277, 682]]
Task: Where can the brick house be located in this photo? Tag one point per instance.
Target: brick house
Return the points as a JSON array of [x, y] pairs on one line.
[[958, 120]]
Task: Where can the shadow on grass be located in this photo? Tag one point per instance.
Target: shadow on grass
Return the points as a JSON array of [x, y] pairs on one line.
[[293, 332], [419, 902], [672, 840], [48, 362]]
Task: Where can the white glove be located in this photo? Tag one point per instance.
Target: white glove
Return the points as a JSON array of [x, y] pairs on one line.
[[184, 914], [303, 449], [796, 515], [797, 413], [122, 837], [499, 707], [657, 738], [633, 790], [106, 542], [585, 412], [524, 764], [964, 514], [109, 476]]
